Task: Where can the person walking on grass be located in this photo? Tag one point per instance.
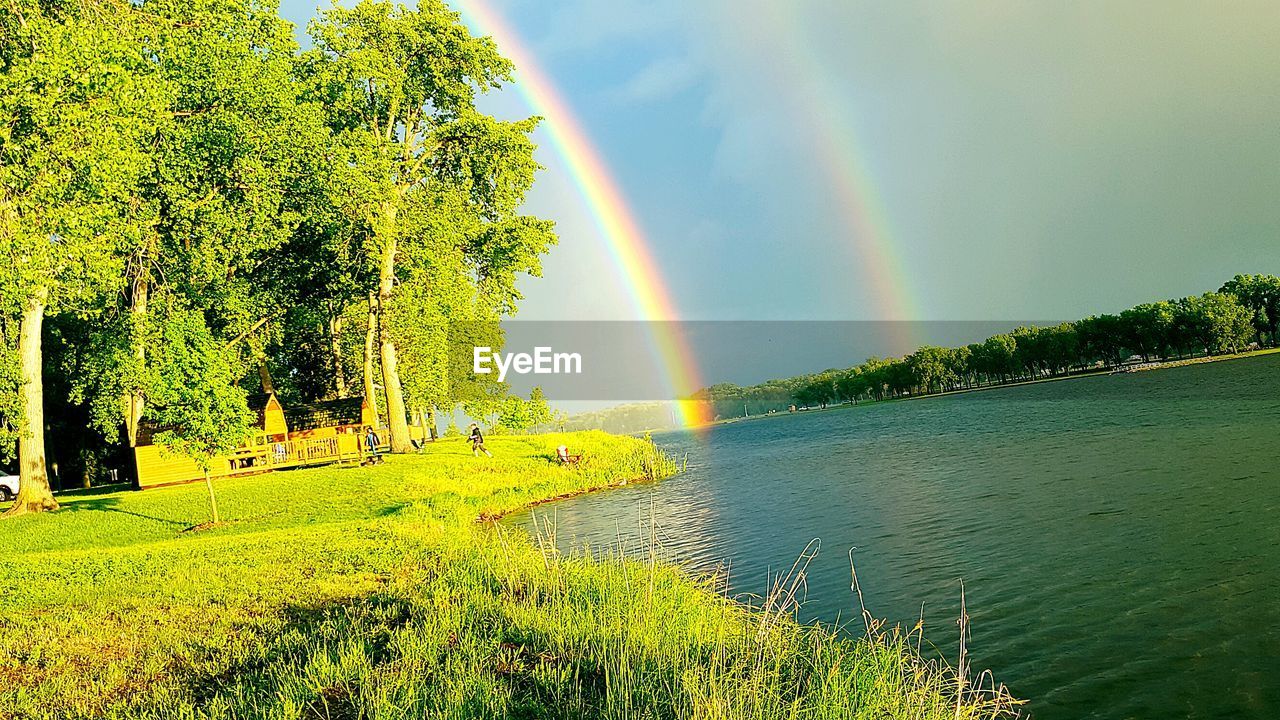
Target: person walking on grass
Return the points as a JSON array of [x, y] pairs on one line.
[[477, 442]]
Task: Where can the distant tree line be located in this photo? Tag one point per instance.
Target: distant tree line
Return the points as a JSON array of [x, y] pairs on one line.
[[1244, 313], [631, 418], [514, 414]]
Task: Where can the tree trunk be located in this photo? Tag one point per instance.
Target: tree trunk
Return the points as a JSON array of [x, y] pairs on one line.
[[397, 423], [370, 339], [213, 500], [133, 400], [264, 376], [335, 352], [34, 494]]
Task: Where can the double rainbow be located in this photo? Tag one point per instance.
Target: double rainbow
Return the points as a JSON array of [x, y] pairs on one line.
[[841, 161], [622, 234]]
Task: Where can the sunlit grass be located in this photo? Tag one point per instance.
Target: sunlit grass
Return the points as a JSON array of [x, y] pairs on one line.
[[375, 593]]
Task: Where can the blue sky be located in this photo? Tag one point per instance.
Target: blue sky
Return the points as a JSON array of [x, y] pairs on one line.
[[1031, 160]]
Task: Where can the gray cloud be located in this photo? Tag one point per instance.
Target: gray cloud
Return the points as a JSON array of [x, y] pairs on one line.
[[1047, 159]]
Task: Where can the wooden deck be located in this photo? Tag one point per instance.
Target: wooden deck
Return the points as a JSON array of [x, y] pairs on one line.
[[158, 467]]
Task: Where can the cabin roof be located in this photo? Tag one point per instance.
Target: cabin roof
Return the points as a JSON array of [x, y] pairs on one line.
[[257, 402], [147, 431], [327, 413]]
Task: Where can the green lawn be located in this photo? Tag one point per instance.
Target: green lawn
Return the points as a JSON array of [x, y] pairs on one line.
[[375, 593]]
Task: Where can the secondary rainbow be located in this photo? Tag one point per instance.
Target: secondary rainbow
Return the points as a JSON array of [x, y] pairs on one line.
[[841, 156], [622, 234]]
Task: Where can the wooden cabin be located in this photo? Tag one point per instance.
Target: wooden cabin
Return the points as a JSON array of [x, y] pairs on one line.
[[271, 419], [330, 418], [312, 434], [344, 416]]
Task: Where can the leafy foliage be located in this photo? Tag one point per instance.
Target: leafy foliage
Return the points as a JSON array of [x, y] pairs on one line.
[[515, 414], [181, 167], [194, 392], [429, 188]]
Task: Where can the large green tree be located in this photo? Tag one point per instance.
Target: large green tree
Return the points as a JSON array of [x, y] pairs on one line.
[[399, 86], [76, 107], [1214, 323], [932, 368], [1261, 294], [232, 164]]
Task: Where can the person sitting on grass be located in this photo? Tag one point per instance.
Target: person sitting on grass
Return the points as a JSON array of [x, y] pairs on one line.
[[477, 442], [562, 454]]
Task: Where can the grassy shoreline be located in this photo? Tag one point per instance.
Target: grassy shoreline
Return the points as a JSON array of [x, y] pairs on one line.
[[374, 593]]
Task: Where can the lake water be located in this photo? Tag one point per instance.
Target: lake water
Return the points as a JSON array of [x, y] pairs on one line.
[[1118, 537]]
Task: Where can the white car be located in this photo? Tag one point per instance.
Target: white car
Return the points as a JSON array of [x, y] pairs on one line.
[[8, 487]]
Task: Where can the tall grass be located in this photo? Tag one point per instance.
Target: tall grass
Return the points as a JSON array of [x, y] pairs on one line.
[[375, 593]]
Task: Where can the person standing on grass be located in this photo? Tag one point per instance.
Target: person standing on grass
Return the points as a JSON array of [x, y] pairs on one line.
[[371, 443], [477, 442]]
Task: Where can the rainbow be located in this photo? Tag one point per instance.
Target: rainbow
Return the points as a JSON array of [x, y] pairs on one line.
[[625, 240], [841, 158]]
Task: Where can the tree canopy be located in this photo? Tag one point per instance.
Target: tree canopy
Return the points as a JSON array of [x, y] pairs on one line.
[[187, 198]]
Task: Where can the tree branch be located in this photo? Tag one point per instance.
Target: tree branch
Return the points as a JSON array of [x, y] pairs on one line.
[[247, 333]]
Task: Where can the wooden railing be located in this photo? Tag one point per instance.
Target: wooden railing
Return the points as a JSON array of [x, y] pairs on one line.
[[157, 467], [293, 453]]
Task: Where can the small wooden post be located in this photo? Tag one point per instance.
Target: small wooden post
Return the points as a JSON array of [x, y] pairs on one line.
[[213, 501]]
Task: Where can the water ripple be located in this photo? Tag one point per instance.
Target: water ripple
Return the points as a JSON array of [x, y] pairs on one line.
[[1116, 535]]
